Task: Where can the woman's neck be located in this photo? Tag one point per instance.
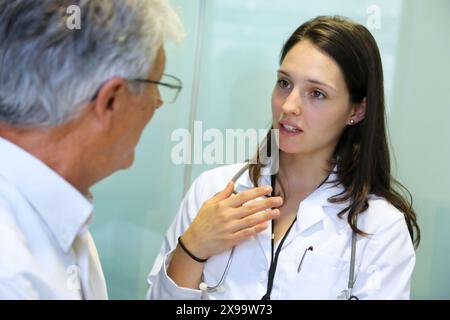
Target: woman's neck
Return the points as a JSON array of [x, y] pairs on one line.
[[302, 173]]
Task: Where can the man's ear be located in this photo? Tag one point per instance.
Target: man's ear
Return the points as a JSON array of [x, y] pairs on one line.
[[358, 112], [107, 101]]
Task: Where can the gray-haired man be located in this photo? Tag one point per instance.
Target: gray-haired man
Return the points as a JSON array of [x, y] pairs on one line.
[[73, 104]]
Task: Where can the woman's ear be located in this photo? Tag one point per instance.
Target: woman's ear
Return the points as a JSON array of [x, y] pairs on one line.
[[358, 112], [107, 101]]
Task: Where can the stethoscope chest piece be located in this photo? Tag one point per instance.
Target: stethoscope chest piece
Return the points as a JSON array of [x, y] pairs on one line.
[[218, 288], [346, 295], [343, 295]]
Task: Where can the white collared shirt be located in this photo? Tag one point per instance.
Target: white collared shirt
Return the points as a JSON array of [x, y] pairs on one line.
[[384, 260], [46, 250]]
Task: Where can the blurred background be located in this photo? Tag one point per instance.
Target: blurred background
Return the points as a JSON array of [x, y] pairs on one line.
[[228, 64]]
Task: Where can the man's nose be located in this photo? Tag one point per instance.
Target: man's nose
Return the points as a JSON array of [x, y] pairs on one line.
[[158, 98]]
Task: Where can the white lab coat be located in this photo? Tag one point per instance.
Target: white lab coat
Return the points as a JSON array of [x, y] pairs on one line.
[[384, 260]]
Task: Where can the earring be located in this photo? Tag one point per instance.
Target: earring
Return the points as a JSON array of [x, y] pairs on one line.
[[352, 121]]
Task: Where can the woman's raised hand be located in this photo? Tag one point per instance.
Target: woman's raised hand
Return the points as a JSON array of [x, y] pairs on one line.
[[226, 220]]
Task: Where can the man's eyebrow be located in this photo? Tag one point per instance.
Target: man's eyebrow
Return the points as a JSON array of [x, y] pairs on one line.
[[315, 81]]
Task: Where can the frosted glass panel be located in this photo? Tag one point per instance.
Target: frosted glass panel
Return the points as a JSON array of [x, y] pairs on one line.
[[420, 136]]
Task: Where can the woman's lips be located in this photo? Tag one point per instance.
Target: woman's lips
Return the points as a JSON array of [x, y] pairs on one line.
[[289, 128]]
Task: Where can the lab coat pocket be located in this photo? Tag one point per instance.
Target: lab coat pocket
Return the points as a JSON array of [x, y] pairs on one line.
[[320, 277]]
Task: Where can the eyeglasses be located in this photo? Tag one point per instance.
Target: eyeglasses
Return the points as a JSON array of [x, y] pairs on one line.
[[169, 87]]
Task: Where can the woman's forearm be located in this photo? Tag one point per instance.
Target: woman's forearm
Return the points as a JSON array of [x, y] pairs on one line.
[[185, 271]]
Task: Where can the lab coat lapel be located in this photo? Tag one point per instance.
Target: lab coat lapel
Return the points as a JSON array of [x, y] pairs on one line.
[[264, 243], [309, 214], [311, 210], [263, 238], [317, 209]]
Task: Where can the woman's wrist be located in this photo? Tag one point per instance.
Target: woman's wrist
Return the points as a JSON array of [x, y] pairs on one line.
[[192, 255], [192, 246]]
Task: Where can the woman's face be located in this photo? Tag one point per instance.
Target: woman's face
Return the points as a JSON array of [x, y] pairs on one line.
[[310, 101]]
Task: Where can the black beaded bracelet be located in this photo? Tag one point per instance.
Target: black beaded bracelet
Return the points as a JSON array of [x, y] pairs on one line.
[[189, 253]]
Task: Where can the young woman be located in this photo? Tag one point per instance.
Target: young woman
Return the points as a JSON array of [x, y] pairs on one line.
[[339, 229]]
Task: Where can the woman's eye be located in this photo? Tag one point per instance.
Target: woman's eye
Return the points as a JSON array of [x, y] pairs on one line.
[[318, 95], [283, 84]]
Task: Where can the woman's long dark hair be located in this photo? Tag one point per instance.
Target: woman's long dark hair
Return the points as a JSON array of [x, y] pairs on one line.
[[362, 153]]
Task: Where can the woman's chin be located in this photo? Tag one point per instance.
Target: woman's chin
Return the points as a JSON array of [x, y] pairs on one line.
[[290, 148]]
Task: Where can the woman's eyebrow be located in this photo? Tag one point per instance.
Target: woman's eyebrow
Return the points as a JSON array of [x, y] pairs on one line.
[[315, 81], [283, 72], [321, 83]]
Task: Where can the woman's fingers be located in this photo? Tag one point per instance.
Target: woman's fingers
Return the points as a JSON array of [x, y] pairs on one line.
[[255, 219], [223, 218], [246, 233], [257, 206], [246, 196]]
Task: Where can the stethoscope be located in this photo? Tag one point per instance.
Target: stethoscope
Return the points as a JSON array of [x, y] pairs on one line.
[[343, 295]]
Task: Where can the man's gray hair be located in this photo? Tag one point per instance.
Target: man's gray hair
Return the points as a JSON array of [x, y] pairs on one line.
[[48, 71]]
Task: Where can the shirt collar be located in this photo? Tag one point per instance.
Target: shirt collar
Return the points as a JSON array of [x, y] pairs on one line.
[[65, 211], [311, 210]]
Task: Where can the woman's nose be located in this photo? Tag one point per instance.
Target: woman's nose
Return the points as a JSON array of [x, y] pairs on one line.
[[292, 104]]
